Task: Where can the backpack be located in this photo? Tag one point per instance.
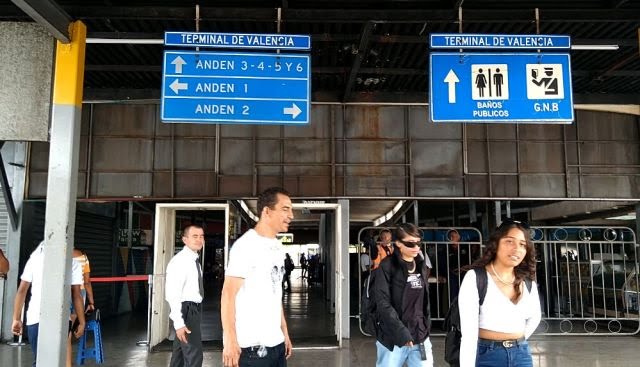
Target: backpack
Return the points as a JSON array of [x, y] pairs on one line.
[[452, 319], [368, 318], [288, 265]]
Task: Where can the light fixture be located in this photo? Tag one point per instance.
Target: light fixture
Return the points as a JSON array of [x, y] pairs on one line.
[[629, 216], [246, 209], [595, 47], [390, 214]]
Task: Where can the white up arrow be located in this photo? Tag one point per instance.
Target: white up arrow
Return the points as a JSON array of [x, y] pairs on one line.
[[179, 63], [452, 79], [294, 110], [176, 86]]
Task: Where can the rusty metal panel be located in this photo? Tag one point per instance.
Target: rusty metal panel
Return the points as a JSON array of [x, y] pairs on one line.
[[539, 157], [37, 185], [608, 126], [194, 130], [477, 157], [542, 185], [318, 127], [266, 181], [375, 152], [610, 153], [420, 128], [436, 159], [376, 186], [236, 131], [503, 156], [122, 154], [121, 184], [162, 184], [162, 154], [477, 185], [506, 186], [372, 170], [374, 122], [476, 131], [598, 186], [541, 132], [501, 132], [307, 151], [308, 185], [195, 184], [236, 157], [304, 170], [236, 186], [130, 120], [434, 186], [195, 154]]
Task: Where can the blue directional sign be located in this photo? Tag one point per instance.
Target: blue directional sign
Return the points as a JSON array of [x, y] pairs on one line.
[[220, 87], [503, 41], [486, 87], [238, 40]]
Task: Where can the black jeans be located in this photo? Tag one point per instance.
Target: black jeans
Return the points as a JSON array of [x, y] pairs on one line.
[[275, 357], [189, 354]]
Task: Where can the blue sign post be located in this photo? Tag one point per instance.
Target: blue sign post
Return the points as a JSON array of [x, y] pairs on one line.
[[500, 87], [249, 88]]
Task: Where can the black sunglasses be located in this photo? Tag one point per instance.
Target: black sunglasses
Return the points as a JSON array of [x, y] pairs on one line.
[[411, 244], [509, 222]]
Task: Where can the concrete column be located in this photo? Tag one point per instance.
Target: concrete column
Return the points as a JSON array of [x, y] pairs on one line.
[[638, 223], [62, 189], [14, 152]]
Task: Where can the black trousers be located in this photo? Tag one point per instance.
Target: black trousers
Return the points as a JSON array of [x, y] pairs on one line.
[[275, 357], [189, 354]]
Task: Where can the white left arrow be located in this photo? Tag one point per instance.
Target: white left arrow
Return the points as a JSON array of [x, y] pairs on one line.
[[294, 110], [452, 79], [179, 63], [176, 86]]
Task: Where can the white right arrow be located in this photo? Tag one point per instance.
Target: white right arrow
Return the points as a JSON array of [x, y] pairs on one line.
[[452, 79], [294, 110], [176, 86], [179, 63]]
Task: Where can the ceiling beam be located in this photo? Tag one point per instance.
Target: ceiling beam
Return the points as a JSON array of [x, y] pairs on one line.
[[447, 15], [367, 29], [48, 14]]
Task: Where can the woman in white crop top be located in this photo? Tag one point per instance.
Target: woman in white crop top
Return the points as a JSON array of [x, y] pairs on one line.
[[495, 333]]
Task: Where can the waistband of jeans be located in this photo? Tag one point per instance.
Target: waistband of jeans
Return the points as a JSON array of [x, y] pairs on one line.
[[256, 347], [508, 343]]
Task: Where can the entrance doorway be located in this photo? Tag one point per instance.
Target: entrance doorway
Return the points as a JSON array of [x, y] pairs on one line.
[[165, 240]]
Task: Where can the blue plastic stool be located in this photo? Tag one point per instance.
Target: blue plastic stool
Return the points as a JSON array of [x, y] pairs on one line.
[[94, 352]]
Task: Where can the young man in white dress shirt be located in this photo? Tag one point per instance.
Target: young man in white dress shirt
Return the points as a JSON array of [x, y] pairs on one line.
[[253, 323], [184, 293]]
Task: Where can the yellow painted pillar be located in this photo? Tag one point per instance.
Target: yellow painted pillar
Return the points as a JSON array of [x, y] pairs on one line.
[[62, 189]]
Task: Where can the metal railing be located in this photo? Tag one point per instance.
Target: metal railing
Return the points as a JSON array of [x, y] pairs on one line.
[[587, 276]]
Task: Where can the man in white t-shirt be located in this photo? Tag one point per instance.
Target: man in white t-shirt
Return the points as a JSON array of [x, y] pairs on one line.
[[32, 277], [253, 322]]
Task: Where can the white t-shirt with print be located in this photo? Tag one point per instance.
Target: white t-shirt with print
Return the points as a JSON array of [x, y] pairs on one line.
[[260, 262], [32, 273]]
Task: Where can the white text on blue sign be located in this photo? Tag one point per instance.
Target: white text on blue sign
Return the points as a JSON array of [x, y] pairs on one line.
[[507, 41], [492, 87], [238, 40], [221, 87]]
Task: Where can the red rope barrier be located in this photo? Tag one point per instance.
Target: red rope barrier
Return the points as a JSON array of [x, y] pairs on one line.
[[128, 278]]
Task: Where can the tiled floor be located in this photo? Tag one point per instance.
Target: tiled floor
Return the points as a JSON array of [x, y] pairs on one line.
[[309, 320]]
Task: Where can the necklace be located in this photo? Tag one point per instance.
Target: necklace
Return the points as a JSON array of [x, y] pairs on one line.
[[413, 268], [500, 279]]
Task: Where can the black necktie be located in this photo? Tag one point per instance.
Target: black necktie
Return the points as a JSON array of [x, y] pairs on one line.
[[200, 278]]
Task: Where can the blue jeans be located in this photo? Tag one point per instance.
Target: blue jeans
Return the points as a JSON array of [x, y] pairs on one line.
[[400, 355], [32, 331], [494, 354]]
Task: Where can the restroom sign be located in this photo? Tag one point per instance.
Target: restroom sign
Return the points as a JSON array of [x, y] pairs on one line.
[[500, 87]]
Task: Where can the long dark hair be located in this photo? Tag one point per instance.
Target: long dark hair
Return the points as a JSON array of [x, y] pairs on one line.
[[527, 267]]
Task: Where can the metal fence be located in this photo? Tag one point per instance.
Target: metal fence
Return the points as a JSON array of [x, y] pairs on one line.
[[587, 277]]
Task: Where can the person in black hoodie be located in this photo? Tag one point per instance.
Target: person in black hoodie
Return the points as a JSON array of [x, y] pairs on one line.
[[401, 295]]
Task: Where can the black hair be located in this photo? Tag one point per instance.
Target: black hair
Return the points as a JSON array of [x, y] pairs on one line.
[[269, 198], [185, 231], [408, 229]]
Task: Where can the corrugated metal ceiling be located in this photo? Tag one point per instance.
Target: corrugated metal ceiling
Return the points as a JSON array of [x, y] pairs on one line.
[[380, 45]]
